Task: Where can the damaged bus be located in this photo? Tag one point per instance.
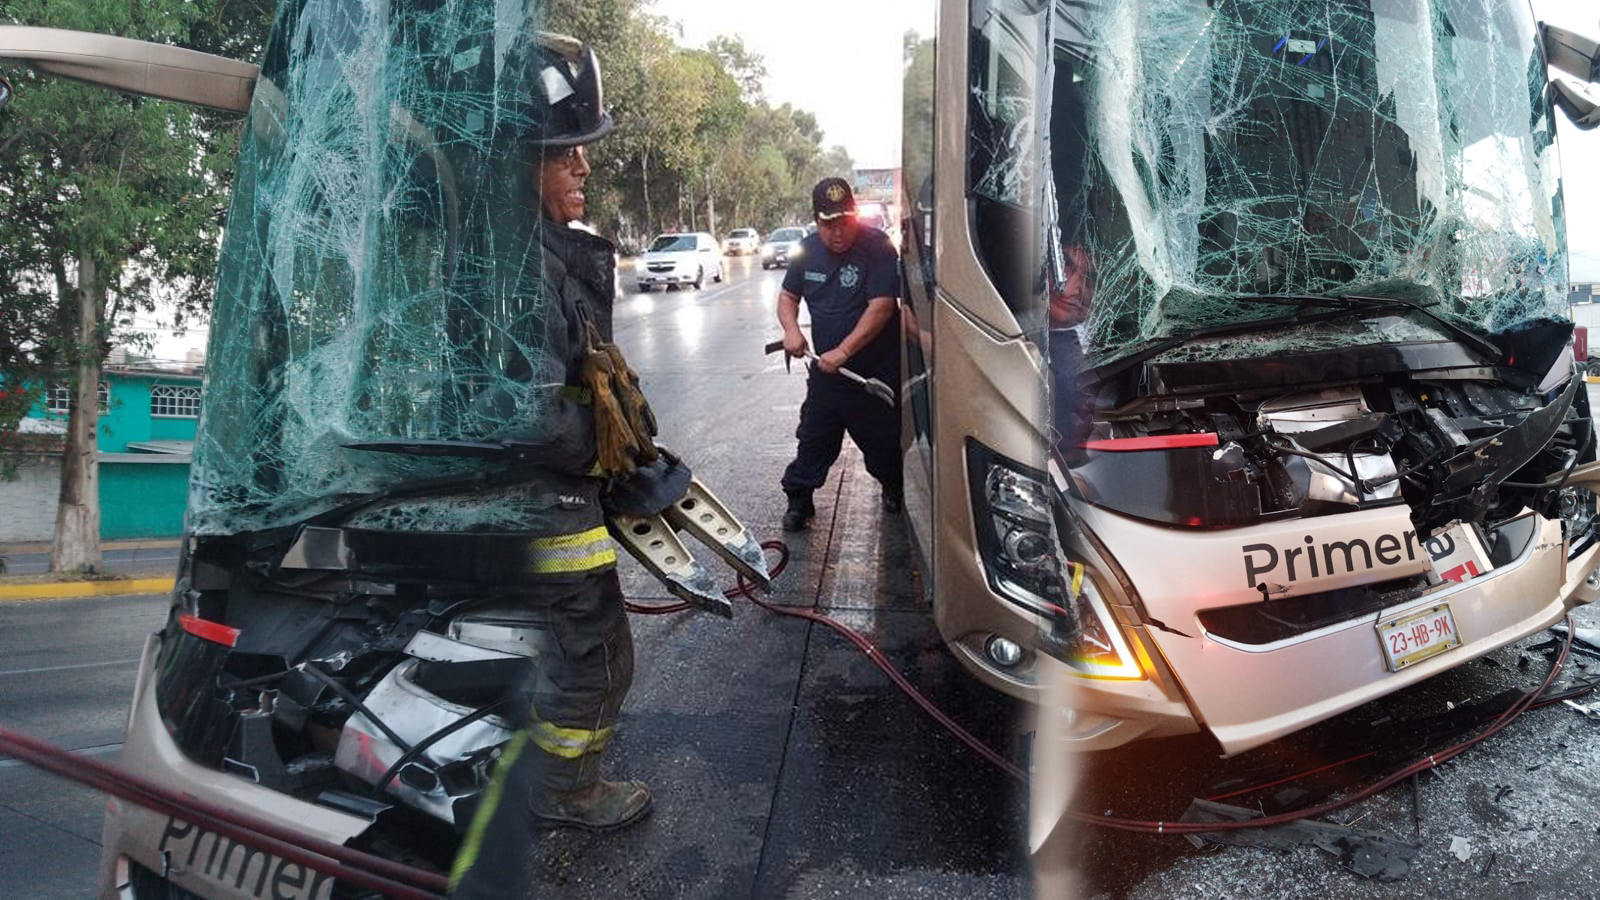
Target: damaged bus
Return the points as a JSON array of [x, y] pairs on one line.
[[1239, 387], [388, 401]]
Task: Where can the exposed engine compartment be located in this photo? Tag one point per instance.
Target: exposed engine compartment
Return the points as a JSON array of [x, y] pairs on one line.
[[1452, 449], [387, 699]]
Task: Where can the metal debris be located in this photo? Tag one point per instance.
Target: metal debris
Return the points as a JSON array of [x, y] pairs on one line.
[[1589, 636], [1365, 853], [1589, 710]]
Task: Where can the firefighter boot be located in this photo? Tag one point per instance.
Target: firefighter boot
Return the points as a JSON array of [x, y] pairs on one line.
[[602, 806], [800, 511]]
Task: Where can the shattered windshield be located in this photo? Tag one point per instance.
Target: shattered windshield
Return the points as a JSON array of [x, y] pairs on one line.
[[670, 243], [380, 273], [1201, 151]]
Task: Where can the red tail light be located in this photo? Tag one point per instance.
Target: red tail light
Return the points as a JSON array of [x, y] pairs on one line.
[[214, 632]]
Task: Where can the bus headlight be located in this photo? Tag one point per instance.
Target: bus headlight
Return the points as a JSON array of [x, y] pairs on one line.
[[1024, 563]]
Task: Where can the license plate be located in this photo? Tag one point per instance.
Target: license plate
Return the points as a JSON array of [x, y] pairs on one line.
[[1411, 639]]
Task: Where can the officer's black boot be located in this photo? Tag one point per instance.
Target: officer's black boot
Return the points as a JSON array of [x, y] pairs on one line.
[[800, 511]]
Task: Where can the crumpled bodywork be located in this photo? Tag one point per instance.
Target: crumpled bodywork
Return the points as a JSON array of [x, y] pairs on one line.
[[380, 272], [1390, 148]]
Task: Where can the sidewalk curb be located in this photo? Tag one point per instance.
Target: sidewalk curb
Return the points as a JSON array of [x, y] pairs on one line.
[[60, 590]]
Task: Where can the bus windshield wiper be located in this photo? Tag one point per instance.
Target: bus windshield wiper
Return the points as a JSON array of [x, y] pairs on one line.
[[1332, 308], [1362, 303]]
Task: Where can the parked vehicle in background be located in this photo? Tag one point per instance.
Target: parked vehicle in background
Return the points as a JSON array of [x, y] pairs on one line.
[[742, 241], [680, 259], [781, 246]]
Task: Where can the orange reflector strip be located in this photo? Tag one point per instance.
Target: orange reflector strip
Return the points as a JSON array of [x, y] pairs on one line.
[[214, 632], [1163, 442]]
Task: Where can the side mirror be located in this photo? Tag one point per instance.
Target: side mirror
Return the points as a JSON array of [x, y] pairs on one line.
[[1583, 110], [1571, 52], [5, 92]]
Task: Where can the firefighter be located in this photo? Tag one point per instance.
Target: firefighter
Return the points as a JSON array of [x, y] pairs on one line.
[[548, 775], [849, 277]]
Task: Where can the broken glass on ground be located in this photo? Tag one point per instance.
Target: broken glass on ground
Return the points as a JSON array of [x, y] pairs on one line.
[[1365, 853]]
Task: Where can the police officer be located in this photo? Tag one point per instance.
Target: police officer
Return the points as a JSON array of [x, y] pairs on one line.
[[848, 275], [549, 773]]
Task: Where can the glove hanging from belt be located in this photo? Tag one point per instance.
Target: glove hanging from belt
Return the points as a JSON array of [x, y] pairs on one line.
[[624, 426]]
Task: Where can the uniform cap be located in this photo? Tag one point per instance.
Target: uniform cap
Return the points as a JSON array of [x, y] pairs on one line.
[[832, 198]]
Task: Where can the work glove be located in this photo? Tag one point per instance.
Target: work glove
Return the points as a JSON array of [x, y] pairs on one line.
[[624, 426]]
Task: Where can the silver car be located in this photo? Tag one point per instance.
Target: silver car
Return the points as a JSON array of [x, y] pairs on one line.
[[781, 246]]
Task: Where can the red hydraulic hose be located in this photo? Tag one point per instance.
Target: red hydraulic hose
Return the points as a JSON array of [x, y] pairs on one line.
[[364, 869], [746, 589]]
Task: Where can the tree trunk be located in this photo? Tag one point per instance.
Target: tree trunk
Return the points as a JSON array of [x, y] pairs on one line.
[[77, 538], [649, 211], [711, 206]]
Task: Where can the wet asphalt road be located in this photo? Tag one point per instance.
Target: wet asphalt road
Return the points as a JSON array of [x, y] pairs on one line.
[[1517, 816], [783, 764], [66, 672]]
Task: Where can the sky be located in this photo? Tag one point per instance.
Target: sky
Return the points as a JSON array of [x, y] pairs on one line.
[[838, 59], [841, 60], [1580, 176]]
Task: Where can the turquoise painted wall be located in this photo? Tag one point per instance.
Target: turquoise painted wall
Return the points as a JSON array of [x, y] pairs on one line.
[[142, 499], [128, 418]]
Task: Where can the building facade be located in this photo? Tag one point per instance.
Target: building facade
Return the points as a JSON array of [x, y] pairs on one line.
[[147, 425]]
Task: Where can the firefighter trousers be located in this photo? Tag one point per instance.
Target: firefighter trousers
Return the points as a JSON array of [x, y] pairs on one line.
[[574, 695]]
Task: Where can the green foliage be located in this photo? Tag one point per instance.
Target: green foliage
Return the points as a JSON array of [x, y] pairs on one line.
[[129, 189], [694, 131]]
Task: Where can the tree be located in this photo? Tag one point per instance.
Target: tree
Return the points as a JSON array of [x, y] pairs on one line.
[[693, 128], [114, 204], [742, 64]]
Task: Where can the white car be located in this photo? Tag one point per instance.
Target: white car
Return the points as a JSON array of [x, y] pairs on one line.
[[679, 259], [742, 241]]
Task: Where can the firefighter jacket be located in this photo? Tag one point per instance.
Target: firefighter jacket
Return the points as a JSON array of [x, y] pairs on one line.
[[548, 523]]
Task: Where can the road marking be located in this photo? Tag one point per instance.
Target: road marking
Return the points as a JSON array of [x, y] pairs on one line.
[[61, 590], [86, 751], [93, 665]]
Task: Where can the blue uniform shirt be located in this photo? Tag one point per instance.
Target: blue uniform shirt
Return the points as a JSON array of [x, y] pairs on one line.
[[836, 288]]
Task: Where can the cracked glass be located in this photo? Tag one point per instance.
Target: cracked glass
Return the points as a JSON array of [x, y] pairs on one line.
[[380, 275], [1203, 151]]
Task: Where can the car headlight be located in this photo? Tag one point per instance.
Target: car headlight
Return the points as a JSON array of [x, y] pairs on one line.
[[1023, 561]]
